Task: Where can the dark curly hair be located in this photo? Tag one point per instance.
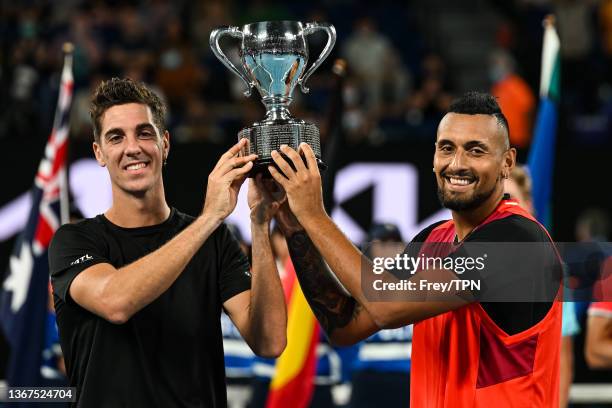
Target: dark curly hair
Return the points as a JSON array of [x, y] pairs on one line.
[[480, 103], [119, 91]]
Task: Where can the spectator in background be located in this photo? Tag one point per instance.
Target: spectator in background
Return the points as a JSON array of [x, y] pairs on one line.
[[383, 360], [132, 45], [594, 226], [21, 116], [514, 96], [598, 346], [431, 99], [88, 52], [178, 73], [375, 63], [519, 187], [356, 123]]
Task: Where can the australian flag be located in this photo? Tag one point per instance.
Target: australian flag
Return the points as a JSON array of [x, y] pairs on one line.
[[24, 294]]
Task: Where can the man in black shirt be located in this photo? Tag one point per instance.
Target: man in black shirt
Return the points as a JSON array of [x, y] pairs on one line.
[[139, 289]]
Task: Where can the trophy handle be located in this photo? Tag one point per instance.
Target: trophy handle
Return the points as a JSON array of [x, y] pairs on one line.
[[215, 36], [331, 40]]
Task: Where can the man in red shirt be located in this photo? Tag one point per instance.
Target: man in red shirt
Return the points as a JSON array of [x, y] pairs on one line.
[[467, 350]]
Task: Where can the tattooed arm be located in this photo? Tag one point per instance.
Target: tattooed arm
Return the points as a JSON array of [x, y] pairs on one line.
[[342, 318], [302, 183]]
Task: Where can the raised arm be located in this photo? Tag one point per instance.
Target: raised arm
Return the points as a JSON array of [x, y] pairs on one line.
[[302, 183], [117, 294], [342, 318], [260, 314]]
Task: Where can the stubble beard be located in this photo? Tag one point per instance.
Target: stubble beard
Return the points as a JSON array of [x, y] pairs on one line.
[[463, 204]]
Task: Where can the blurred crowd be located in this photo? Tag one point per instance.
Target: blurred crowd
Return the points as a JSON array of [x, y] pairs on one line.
[[398, 83], [166, 44]]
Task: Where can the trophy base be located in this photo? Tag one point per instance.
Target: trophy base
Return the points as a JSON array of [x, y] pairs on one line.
[[265, 137], [261, 166]]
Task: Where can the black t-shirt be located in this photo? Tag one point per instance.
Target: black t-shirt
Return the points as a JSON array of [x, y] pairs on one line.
[[170, 353], [537, 271]]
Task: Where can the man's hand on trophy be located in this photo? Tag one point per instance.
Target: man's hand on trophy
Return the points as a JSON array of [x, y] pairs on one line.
[[265, 197], [301, 181], [225, 180]]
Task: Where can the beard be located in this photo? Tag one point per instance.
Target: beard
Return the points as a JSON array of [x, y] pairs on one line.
[[463, 204]]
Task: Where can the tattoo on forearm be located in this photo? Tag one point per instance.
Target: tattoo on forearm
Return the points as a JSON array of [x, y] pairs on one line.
[[332, 307]]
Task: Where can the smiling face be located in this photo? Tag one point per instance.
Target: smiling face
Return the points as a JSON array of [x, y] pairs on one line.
[[470, 160], [132, 148]]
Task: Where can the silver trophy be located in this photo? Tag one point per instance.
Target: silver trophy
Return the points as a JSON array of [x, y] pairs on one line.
[[274, 55]]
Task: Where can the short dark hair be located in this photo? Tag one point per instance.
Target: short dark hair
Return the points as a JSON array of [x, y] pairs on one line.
[[119, 91], [480, 103]]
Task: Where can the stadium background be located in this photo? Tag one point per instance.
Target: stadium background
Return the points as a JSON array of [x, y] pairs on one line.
[[431, 50]]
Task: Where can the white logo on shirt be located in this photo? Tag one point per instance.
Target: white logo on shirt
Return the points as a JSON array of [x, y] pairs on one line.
[[82, 259]]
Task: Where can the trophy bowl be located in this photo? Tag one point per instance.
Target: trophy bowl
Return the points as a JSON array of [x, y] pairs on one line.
[[273, 59]]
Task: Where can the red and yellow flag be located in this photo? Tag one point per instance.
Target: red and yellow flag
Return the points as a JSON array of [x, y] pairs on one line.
[[293, 382]]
